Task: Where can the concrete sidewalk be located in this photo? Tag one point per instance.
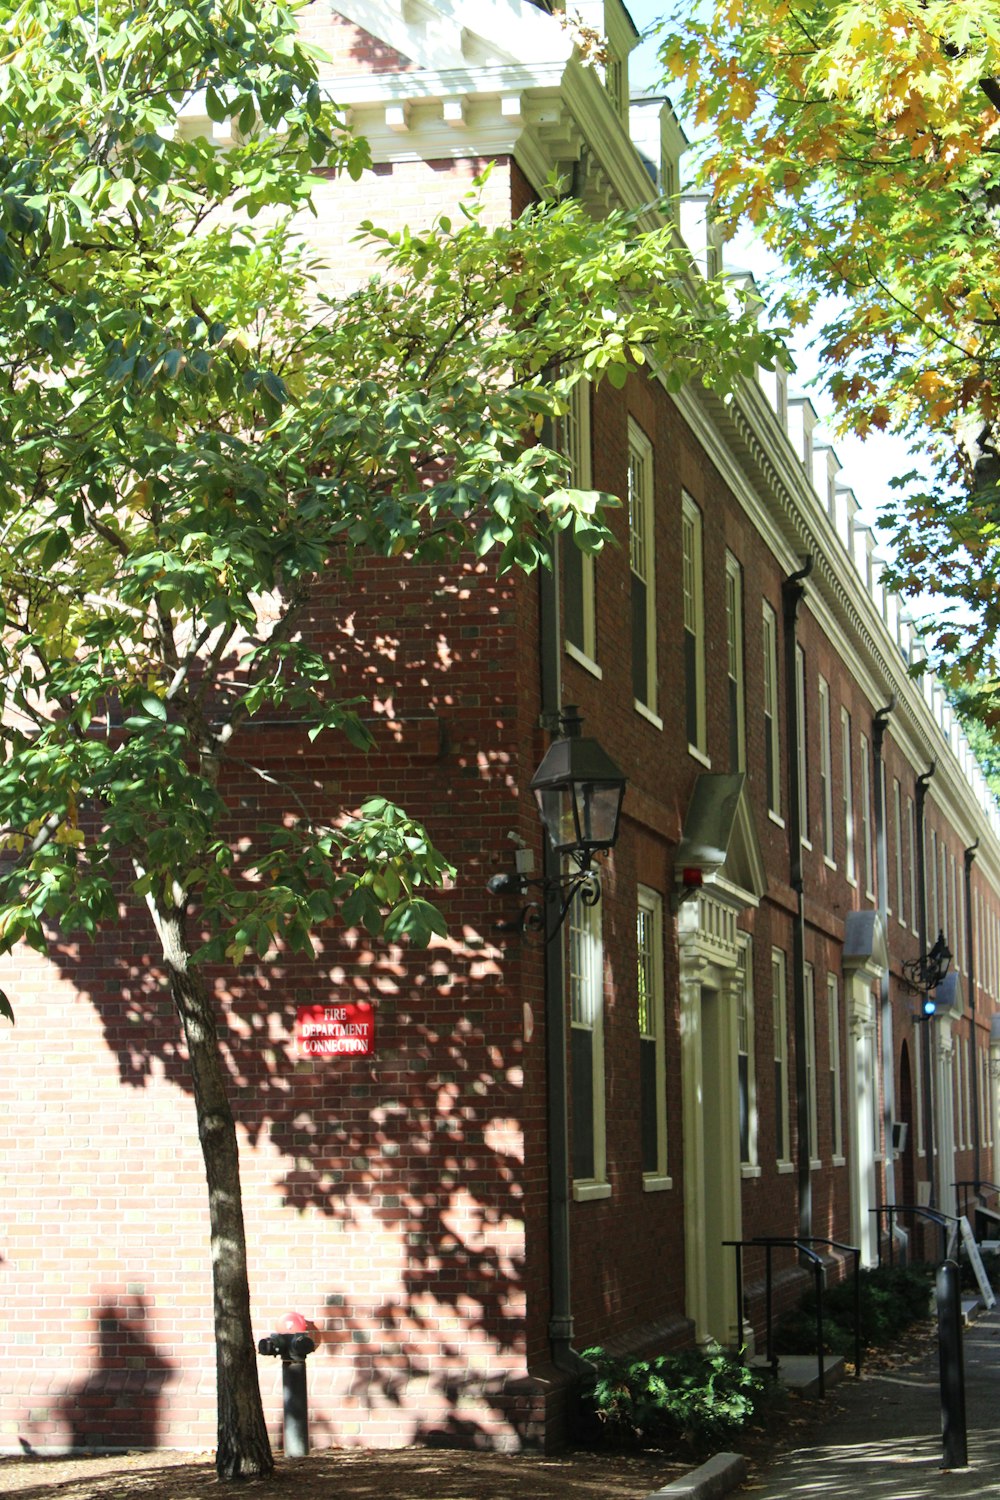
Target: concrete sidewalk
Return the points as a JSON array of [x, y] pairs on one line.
[[883, 1437]]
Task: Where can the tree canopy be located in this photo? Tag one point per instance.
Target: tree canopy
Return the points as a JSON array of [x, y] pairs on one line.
[[196, 444], [862, 139]]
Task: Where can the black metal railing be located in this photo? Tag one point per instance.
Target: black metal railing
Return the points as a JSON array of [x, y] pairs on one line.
[[974, 1192], [947, 1225], [804, 1248]]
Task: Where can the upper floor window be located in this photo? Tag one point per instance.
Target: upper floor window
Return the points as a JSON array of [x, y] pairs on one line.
[[825, 769], [866, 818], [642, 564], [692, 588], [734, 664], [772, 743], [847, 795], [897, 817], [801, 730], [579, 611]]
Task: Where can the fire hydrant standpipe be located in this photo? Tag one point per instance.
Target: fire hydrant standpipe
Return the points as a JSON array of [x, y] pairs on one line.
[[292, 1349]]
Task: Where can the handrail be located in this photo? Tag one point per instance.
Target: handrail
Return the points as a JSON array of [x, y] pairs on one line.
[[803, 1244], [935, 1215], [978, 1190]]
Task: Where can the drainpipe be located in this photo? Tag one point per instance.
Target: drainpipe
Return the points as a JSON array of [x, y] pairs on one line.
[[792, 593], [564, 1356], [970, 958], [880, 724], [928, 1084]]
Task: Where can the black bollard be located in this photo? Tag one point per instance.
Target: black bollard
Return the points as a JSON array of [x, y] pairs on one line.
[[952, 1369], [293, 1350], [296, 1404]]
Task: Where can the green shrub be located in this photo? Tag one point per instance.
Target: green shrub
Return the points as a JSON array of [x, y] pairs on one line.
[[892, 1297], [701, 1399]]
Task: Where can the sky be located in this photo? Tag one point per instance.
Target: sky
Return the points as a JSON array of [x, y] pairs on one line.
[[867, 466]]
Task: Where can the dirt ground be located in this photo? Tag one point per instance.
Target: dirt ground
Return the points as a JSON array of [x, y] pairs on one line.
[[418, 1473]]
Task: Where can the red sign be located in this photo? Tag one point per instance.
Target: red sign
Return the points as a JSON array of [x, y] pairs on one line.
[[346, 1030]]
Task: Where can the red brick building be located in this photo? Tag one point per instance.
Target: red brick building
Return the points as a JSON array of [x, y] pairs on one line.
[[551, 1144]]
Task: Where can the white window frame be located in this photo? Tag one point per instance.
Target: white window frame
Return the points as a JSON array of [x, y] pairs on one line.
[[812, 1088], [734, 656], [573, 439], [935, 901], [918, 1092], [867, 842], [745, 1047], [834, 1070], [802, 727], [847, 797], [897, 810], [649, 986], [779, 1017], [772, 725], [693, 598], [585, 982], [826, 771], [911, 826], [642, 552]]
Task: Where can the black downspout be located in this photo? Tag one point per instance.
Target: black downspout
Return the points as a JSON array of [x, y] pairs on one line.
[[970, 958], [880, 724], [792, 593], [925, 1021], [564, 1356]]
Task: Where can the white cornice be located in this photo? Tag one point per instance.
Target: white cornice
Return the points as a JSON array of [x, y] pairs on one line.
[[449, 33]]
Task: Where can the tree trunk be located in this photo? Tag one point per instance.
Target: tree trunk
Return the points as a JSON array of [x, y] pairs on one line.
[[243, 1446]]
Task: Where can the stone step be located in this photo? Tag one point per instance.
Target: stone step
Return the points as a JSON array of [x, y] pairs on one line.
[[800, 1372]]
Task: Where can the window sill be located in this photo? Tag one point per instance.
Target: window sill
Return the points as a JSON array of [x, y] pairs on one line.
[[647, 713], [699, 756], [749, 1172], [806, 843], [654, 1184], [831, 864], [776, 818], [785, 1167], [583, 660], [587, 1192], [840, 1161], [815, 1166]]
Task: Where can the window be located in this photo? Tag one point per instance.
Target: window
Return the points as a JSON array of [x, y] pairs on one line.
[[780, 1018], [847, 773], [935, 905], [579, 613], [833, 1026], [825, 769], [652, 1038], [801, 731], [918, 1091], [866, 818], [772, 744], [693, 590], [642, 562], [734, 664], [811, 1082], [746, 1071], [911, 825], [897, 813], [586, 992]]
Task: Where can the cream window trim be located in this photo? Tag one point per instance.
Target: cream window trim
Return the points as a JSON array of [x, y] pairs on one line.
[[693, 600]]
